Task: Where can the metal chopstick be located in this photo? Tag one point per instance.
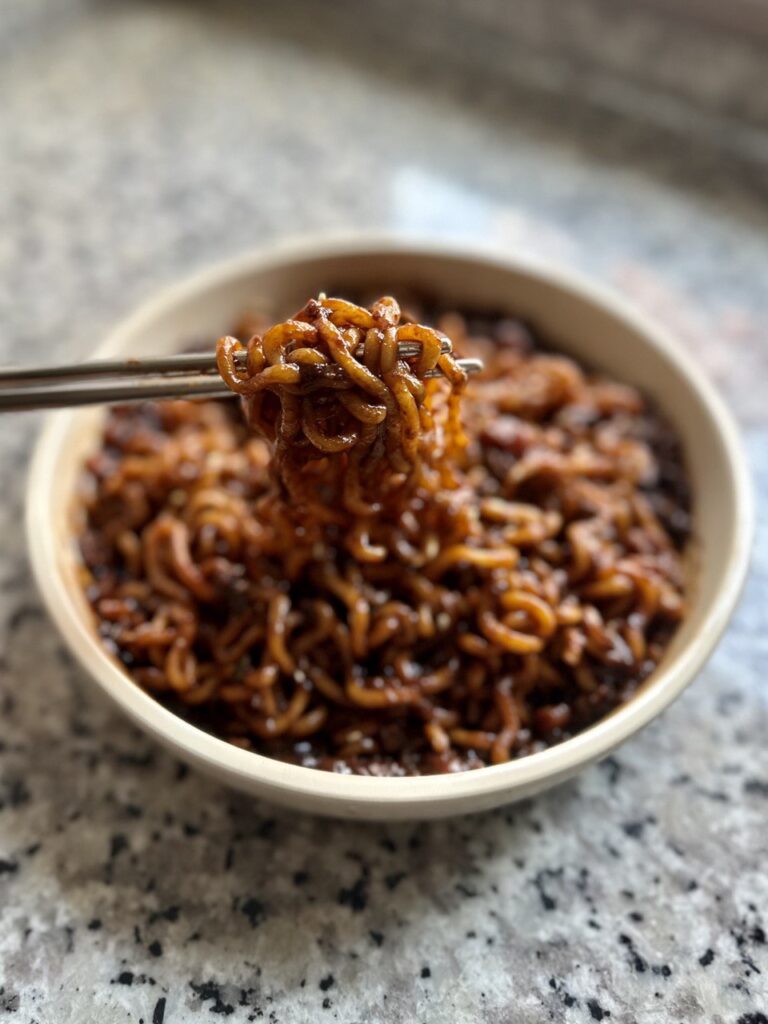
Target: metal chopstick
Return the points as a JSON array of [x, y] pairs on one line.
[[45, 393], [188, 362], [196, 363], [45, 396]]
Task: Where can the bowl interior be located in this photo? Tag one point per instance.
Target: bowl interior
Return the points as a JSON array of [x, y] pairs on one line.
[[572, 316]]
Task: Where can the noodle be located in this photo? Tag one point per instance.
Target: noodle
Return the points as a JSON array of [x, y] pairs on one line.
[[379, 571]]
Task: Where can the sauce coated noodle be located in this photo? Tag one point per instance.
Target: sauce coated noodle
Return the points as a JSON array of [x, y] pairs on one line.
[[383, 573]]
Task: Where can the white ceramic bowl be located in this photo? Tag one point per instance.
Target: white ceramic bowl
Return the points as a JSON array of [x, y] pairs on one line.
[[582, 319]]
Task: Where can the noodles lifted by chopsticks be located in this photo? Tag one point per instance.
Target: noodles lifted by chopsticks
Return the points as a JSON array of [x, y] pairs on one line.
[[330, 382], [377, 578]]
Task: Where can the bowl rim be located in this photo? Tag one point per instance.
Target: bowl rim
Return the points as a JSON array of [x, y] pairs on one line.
[[192, 744]]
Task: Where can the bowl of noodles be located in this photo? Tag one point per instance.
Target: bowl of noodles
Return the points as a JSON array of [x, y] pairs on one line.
[[366, 584]]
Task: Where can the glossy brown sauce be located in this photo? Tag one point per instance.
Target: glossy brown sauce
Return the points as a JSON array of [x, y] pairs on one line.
[[503, 588]]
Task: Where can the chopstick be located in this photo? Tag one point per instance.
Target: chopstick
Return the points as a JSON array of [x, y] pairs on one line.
[[188, 362], [189, 376], [195, 362], [46, 396]]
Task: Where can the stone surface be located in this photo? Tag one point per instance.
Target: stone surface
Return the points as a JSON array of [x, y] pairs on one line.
[[139, 141]]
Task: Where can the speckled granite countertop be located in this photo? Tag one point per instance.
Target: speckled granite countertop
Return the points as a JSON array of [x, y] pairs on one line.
[[141, 140]]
